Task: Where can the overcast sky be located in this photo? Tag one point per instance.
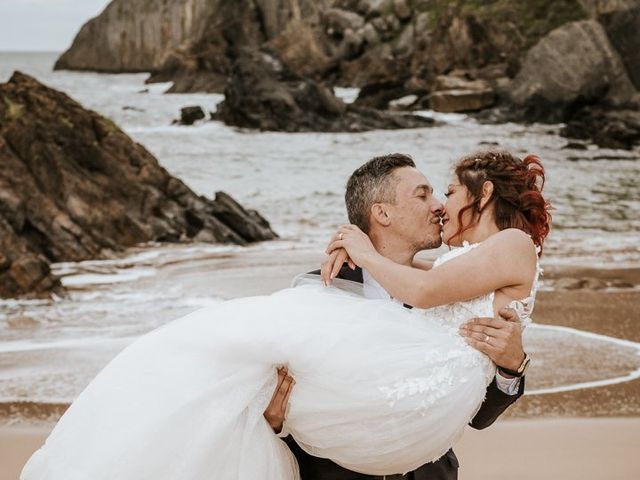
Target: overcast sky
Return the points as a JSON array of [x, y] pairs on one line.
[[44, 25]]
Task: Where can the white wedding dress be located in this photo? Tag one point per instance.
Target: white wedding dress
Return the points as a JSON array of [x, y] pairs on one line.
[[380, 389]]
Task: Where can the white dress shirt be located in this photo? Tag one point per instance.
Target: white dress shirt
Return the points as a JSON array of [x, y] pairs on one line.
[[372, 289]]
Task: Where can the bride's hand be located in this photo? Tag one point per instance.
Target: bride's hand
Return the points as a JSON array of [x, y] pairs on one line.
[[357, 244], [332, 265]]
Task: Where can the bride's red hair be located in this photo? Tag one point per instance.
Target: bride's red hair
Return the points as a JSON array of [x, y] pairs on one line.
[[517, 192]]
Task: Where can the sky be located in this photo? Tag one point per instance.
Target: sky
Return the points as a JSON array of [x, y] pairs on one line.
[[44, 25]]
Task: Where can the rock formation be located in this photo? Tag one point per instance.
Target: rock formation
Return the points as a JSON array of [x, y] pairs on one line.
[[73, 186], [350, 42], [572, 66], [263, 93], [623, 29], [190, 42], [136, 36], [391, 49], [190, 115], [455, 94], [618, 128]]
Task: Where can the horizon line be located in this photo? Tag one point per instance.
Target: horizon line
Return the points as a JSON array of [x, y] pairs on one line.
[[30, 51]]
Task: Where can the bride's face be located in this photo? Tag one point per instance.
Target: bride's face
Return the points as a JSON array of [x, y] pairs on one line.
[[458, 197]]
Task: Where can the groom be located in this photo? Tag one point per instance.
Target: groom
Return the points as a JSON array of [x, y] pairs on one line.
[[390, 200]]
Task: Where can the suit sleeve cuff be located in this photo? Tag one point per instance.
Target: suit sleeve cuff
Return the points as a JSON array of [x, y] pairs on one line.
[[509, 386]]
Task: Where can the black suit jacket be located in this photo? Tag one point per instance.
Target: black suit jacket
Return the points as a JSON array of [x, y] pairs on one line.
[[446, 468]]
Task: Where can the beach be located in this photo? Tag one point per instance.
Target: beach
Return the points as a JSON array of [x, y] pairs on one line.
[[580, 416], [576, 433]]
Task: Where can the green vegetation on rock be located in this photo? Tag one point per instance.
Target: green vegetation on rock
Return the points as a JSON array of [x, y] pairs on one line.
[[525, 21], [14, 110]]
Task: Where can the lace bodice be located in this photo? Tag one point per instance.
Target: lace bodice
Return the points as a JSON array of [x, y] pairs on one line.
[[456, 353], [457, 313]]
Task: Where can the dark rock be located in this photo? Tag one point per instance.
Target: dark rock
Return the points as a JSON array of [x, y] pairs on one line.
[[189, 115], [235, 216], [73, 187], [606, 128], [573, 66], [623, 29], [575, 146], [378, 95], [264, 94]]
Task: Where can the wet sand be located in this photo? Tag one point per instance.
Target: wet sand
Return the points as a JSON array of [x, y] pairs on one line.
[[616, 314], [584, 434]]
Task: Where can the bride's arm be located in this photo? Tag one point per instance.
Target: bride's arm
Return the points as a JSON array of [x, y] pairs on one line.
[[422, 264], [505, 259]]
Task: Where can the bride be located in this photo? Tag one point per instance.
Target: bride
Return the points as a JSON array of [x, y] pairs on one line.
[[380, 389]]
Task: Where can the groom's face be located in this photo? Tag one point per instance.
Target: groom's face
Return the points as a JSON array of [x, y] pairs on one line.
[[416, 214]]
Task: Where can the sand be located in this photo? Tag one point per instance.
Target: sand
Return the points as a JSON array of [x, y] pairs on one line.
[[534, 449]]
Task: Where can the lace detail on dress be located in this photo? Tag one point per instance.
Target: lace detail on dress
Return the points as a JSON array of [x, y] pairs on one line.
[[524, 307], [457, 356]]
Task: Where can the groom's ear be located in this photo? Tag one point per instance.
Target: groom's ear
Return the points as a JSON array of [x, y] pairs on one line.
[[380, 215]]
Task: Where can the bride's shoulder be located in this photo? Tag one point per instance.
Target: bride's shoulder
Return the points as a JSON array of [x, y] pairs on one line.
[[512, 241]]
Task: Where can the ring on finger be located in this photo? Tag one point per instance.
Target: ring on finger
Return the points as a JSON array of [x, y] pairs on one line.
[[486, 339], [340, 236]]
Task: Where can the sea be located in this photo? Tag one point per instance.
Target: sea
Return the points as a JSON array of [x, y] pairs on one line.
[[50, 349]]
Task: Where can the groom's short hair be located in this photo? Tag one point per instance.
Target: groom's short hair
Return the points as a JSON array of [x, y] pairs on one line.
[[372, 183]]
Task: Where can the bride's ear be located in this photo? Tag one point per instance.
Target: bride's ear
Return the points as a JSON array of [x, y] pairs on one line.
[[487, 193], [380, 214]]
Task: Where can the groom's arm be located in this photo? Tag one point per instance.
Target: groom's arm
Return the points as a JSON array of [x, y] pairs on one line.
[[501, 339], [494, 405]]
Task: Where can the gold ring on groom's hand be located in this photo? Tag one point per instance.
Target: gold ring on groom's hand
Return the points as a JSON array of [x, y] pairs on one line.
[[486, 339], [340, 236]]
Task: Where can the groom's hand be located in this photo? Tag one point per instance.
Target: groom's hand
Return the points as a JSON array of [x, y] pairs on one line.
[[499, 338], [277, 408]]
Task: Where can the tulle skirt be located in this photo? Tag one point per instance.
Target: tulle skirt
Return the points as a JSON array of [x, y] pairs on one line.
[[380, 389]]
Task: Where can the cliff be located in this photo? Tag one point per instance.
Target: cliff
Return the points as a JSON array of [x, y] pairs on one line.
[[447, 55], [136, 36], [190, 42]]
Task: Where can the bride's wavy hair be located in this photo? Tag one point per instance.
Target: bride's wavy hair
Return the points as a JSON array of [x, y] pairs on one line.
[[517, 192]]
